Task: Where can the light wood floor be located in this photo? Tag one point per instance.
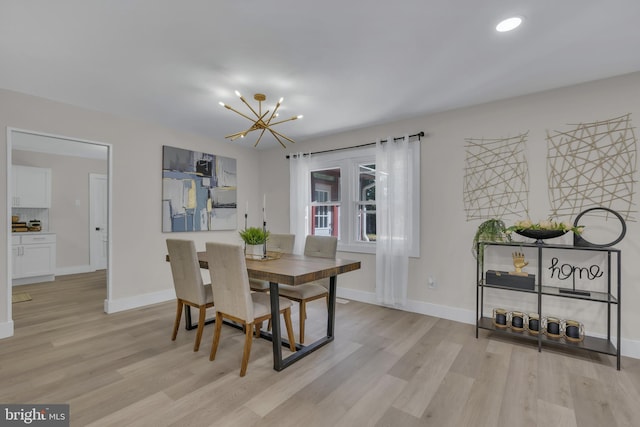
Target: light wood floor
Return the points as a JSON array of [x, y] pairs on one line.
[[385, 368]]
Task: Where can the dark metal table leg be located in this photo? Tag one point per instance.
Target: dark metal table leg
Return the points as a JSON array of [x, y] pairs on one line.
[[275, 326]]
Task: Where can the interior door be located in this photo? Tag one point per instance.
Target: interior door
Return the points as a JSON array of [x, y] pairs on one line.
[[98, 233]]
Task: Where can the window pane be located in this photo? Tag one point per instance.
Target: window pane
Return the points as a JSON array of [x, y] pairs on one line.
[[325, 220], [366, 222], [325, 185], [367, 182]]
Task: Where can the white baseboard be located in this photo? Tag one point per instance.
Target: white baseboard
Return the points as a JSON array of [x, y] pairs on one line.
[[122, 304], [629, 348], [6, 329], [34, 279]]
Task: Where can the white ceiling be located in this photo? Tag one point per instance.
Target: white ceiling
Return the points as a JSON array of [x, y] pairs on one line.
[[343, 64]]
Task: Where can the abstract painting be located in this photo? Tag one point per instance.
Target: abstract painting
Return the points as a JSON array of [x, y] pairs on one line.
[[199, 191]]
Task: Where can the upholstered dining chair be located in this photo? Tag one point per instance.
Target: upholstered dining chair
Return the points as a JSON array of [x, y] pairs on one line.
[[236, 302], [314, 246], [187, 281], [275, 243]]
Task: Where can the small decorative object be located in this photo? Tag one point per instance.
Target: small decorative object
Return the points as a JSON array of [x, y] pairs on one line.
[[578, 240], [519, 263], [542, 230], [516, 320], [500, 317], [255, 239], [508, 280], [491, 230], [552, 327], [573, 330], [262, 121], [532, 323]]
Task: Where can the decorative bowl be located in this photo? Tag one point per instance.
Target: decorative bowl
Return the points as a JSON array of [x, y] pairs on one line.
[[540, 235]]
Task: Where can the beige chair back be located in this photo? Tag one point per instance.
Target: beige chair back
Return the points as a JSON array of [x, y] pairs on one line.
[[281, 243], [321, 246], [229, 280], [185, 269]]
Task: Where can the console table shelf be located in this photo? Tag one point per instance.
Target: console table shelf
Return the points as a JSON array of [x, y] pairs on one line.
[[610, 297]]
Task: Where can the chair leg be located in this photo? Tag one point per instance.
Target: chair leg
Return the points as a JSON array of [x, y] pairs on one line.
[[287, 322], [258, 327], [176, 324], [303, 315], [216, 336], [248, 339], [201, 320]]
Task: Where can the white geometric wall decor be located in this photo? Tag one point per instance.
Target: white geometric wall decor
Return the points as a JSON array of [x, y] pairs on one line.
[[496, 180], [592, 164]]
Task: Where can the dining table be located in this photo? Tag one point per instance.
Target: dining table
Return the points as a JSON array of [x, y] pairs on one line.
[[291, 270]]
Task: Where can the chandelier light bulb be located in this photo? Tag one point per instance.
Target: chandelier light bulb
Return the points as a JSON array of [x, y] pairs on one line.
[[238, 94], [222, 103], [299, 117]]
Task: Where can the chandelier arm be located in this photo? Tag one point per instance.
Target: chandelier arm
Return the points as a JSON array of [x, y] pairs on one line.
[[260, 137], [285, 120], [276, 137], [268, 122], [275, 132], [243, 115], [251, 108]]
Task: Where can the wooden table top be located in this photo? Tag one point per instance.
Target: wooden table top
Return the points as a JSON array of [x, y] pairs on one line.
[[293, 269]]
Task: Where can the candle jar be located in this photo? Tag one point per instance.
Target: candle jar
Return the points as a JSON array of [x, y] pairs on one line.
[[500, 317], [516, 320], [551, 326], [573, 330], [532, 323]]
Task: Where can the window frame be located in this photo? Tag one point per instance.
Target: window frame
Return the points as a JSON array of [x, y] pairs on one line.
[[348, 163]]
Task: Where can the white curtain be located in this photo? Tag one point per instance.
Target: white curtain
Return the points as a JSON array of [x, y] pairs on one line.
[[393, 207], [300, 197]]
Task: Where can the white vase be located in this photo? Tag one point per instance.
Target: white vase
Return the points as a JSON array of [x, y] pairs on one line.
[[255, 250]]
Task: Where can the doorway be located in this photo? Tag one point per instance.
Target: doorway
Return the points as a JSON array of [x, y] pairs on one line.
[[62, 149]]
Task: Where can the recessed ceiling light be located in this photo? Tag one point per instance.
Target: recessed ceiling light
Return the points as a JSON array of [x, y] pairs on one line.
[[509, 24]]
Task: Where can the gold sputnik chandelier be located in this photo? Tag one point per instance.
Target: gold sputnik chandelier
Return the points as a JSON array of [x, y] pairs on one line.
[[262, 121]]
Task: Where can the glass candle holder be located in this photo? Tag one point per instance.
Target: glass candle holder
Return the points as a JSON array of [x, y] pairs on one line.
[[532, 323], [500, 317], [552, 327], [573, 330], [516, 320]]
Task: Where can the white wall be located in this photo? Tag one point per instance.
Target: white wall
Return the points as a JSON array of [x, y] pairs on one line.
[[139, 272], [446, 235]]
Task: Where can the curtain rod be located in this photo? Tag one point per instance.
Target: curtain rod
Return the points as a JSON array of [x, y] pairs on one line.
[[419, 135]]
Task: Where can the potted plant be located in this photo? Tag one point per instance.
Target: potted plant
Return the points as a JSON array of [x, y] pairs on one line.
[[492, 230], [254, 239]]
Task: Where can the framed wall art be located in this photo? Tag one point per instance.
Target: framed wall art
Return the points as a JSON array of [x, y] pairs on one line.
[[199, 191]]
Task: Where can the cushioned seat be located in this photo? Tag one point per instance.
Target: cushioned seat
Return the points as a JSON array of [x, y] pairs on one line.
[[188, 284], [236, 302], [315, 246]]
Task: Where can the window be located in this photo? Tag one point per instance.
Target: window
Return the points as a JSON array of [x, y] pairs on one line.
[[342, 199], [325, 202]]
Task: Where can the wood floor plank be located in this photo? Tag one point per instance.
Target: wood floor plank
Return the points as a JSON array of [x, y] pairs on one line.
[[386, 367]]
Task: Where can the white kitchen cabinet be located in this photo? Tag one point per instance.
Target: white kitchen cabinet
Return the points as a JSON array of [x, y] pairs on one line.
[[31, 187], [33, 257]]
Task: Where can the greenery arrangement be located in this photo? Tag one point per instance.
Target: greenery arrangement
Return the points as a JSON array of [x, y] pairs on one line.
[[550, 224], [254, 235], [492, 230]]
